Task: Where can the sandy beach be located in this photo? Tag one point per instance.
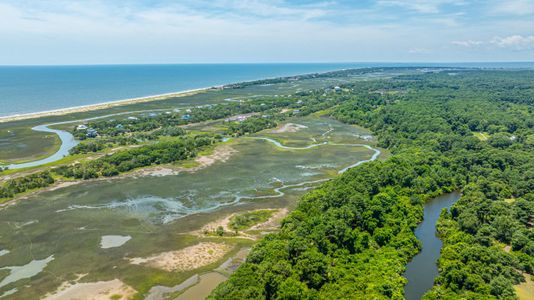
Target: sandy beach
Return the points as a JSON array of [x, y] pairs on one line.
[[103, 105]]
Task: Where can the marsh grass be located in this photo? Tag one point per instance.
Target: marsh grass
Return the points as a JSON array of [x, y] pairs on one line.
[[246, 220]]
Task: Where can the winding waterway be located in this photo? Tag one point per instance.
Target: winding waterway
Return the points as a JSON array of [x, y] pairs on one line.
[[67, 140], [423, 268], [376, 153]]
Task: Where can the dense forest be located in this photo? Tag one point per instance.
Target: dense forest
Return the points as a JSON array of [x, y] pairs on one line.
[[351, 238]]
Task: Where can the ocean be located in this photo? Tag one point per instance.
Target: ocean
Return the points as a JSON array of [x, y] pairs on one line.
[[29, 89]]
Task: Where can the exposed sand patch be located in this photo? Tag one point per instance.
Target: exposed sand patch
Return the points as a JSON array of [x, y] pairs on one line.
[[525, 290], [61, 185], [221, 153], [289, 127], [186, 259], [160, 171], [212, 226], [101, 290]]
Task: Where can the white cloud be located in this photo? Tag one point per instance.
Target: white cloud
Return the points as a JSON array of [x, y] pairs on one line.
[[516, 42], [514, 7], [510, 42], [468, 43], [141, 31]]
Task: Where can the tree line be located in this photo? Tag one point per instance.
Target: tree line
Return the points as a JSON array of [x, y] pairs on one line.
[[352, 237]]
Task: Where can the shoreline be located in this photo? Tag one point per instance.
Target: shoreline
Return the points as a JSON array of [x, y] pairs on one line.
[[182, 93], [104, 105], [144, 99]]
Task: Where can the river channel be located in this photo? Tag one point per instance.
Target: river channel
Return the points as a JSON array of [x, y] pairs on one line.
[[423, 268]]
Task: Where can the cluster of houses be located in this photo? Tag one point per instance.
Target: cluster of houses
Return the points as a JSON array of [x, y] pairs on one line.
[[89, 132]]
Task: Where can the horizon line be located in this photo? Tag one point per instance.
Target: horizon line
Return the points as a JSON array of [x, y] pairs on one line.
[[271, 63]]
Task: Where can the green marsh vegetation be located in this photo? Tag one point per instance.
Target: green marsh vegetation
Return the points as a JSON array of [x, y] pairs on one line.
[[159, 213], [21, 144], [249, 219], [150, 131], [111, 165], [31, 145]]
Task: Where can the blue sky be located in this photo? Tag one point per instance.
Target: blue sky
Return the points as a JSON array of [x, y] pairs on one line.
[[207, 31]]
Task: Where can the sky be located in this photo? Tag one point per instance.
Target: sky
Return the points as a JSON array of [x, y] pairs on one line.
[[248, 31]]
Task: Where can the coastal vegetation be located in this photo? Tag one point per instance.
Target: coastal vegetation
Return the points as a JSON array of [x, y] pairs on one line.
[[352, 237], [161, 138], [21, 184], [157, 207], [163, 152]]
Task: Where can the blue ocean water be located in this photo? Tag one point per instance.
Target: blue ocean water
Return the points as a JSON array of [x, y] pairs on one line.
[[27, 89]]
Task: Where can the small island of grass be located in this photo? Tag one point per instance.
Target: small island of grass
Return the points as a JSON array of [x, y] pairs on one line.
[[248, 219]]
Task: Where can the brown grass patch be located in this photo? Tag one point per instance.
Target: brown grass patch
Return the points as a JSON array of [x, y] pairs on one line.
[[186, 259]]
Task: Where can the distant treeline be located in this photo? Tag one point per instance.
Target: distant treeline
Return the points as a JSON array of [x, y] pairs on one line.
[[332, 74]]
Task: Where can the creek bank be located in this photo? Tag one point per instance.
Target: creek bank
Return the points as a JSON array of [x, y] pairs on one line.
[[199, 286], [422, 269]]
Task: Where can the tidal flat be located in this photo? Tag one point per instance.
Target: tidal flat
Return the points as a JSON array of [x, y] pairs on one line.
[[160, 212]]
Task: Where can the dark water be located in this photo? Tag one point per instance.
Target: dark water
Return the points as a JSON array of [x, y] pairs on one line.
[[423, 268]]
